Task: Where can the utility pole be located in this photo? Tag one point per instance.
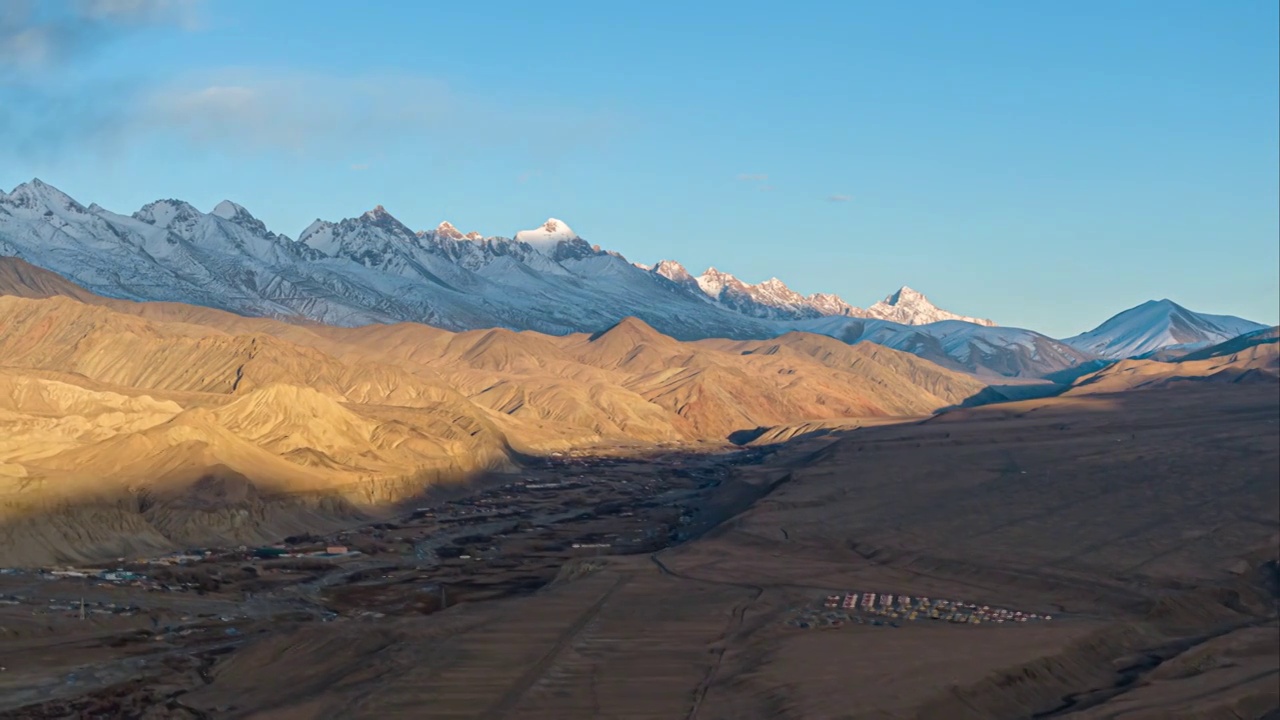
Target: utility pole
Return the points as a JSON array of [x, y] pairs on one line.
[[444, 598], [81, 608]]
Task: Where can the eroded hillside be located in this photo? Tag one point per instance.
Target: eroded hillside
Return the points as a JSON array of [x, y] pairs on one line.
[[134, 404]]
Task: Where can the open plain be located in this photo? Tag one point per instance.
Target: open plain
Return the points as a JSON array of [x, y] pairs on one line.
[[1140, 528]]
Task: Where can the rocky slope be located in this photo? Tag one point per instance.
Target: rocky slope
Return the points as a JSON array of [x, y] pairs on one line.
[[223, 427]]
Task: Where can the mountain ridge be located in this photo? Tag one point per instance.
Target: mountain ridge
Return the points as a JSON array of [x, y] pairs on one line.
[[373, 269]]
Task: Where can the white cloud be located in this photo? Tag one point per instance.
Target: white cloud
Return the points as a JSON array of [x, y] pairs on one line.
[[182, 13], [360, 166], [31, 41], [753, 177], [47, 109], [838, 198], [29, 47], [254, 109]]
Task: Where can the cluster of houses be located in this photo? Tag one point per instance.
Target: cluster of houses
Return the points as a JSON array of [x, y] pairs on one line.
[[277, 551], [118, 576], [890, 610], [906, 607]]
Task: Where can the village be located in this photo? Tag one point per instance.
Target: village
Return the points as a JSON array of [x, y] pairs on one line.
[[889, 610], [512, 535]]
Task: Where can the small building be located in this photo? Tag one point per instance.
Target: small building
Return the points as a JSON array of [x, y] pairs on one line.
[[336, 550]]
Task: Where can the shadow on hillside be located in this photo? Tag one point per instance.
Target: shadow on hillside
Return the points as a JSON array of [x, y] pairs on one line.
[[993, 394], [989, 395], [131, 522], [1067, 376], [743, 438]]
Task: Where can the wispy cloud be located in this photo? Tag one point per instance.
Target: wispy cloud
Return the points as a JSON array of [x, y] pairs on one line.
[[182, 13], [35, 38], [261, 109], [47, 108], [838, 198], [257, 110], [752, 177], [360, 166], [253, 109]]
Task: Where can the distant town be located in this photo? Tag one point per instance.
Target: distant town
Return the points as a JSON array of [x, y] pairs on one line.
[[889, 610]]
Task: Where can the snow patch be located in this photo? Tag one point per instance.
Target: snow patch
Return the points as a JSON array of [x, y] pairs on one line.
[[546, 238]]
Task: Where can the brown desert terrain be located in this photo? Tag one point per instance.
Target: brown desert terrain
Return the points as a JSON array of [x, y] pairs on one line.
[[209, 516], [114, 403]]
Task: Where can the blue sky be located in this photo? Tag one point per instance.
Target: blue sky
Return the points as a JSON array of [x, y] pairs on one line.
[[1042, 164]]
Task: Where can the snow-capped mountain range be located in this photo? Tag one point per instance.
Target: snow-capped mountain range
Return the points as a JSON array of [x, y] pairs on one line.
[[773, 300], [373, 269]]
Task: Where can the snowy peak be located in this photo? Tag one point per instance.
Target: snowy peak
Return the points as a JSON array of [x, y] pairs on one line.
[[1156, 325], [831, 304], [771, 299], [546, 238], [168, 214], [448, 231], [678, 274], [549, 235], [558, 242], [714, 283], [369, 239], [776, 292], [232, 212], [909, 307], [380, 218], [228, 210], [906, 295], [315, 231], [39, 195], [673, 271]]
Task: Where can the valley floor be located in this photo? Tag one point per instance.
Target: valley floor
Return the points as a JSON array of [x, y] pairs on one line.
[[1147, 525]]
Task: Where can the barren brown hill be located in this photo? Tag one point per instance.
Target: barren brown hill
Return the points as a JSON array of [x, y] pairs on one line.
[[20, 278], [373, 365], [929, 383], [124, 397]]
